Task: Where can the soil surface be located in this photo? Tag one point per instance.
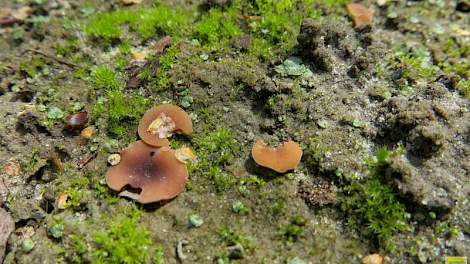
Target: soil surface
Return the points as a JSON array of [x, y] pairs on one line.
[[380, 111]]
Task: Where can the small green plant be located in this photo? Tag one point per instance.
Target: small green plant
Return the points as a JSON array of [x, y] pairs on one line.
[[294, 230], [374, 204], [125, 241], [232, 237]]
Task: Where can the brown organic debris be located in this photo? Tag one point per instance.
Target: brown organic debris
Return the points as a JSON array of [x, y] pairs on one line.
[[281, 159], [155, 171], [361, 15], [12, 168], [318, 194], [163, 121]]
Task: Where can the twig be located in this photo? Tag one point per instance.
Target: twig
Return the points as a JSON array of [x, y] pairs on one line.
[[72, 65]]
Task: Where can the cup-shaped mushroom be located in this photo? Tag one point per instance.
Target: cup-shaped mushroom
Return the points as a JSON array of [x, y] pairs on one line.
[[281, 159], [156, 171], [160, 122], [361, 15]]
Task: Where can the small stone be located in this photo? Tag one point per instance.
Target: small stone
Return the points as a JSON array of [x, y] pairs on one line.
[[236, 251], [296, 260], [373, 259], [27, 245], [131, 2], [114, 159], [195, 220], [381, 2]]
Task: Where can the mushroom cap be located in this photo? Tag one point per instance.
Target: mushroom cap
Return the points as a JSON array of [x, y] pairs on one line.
[[281, 159], [182, 124], [361, 15], [154, 170]]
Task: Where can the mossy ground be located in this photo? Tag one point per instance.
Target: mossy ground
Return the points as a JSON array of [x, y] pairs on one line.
[[221, 68]]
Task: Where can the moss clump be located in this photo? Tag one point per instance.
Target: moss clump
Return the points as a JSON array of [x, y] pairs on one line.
[[146, 22], [125, 241], [215, 150], [217, 26], [275, 33], [294, 230], [233, 237], [121, 111], [374, 204], [105, 79], [414, 64]]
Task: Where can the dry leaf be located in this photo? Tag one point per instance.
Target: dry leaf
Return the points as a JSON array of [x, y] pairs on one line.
[[87, 132], [161, 44], [138, 56], [184, 154], [61, 201]]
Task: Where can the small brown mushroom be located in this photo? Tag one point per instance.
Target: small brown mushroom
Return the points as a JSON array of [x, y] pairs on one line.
[[161, 122], [361, 15], [281, 159], [155, 171]]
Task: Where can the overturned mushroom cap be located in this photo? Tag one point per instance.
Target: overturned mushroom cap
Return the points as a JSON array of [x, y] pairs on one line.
[[155, 171], [281, 159], [161, 122]]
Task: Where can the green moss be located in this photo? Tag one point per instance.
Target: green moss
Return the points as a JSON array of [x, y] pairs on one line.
[[414, 64], [166, 63], [162, 19], [104, 78], [123, 113], [215, 150], [32, 67], [464, 87], [125, 241], [376, 211], [217, 26], [276, 32]]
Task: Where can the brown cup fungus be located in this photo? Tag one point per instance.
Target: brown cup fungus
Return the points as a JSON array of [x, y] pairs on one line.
[[156, 171], [361, 15], [160, 122], [281, 159]]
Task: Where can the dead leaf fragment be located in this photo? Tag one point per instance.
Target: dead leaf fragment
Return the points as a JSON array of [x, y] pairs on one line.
[[361, 15], [184, 154], [87, 132], [373, 259], [61, 201], [7, 225], [12, 168], [163, 126], [138, 56], [131, 2]]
